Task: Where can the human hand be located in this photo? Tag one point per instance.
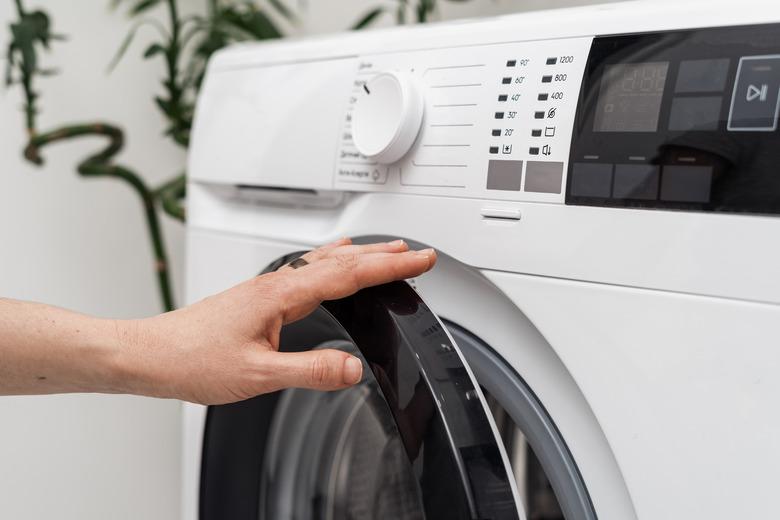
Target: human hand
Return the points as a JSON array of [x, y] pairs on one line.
[[225, 348]]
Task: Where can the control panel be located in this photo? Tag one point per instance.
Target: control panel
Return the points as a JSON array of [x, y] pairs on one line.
[[680, 120], [489, 121]]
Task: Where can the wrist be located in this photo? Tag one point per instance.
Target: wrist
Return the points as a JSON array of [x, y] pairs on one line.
[[132, 370]]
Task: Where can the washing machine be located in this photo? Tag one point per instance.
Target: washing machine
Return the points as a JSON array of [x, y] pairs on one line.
[[601, 335]]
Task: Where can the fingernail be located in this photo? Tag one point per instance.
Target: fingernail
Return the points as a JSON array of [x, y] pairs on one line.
[[353, 370], [425, 252], [396, 243]]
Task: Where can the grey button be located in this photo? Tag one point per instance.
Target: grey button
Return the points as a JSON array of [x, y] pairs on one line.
[[703, 75], [695, 113], [686, 183], [505, 175], [543, 177], [591, 180], [636, 181], [756, 99]]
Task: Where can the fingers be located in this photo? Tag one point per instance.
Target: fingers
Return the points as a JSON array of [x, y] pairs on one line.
[[326, 369], [342, 275], [344, 246]]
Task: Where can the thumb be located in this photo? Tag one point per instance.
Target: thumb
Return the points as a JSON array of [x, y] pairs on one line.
[[326, 369]]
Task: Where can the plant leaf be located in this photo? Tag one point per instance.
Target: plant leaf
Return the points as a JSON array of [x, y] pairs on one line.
[[153, 49], [129, 39], [368, 18], [143, 5], [283, 10]]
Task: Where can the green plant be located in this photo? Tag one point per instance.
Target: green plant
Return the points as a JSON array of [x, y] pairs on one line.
[[421, 12]]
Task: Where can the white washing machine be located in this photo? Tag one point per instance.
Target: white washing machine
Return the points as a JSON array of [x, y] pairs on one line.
[[603, 187]]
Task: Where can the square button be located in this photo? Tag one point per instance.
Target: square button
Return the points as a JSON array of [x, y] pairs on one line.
[[591, 180], [543, 177], [702, 75], [695, 113], [686, 184], [756, 99], [636, 181], [505, 175]]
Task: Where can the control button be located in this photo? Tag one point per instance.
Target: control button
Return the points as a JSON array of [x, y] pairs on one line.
[[755, 103], [493, 149], [546, 79], [536, 133], [387, 117], [505, 175], [503, 97], [686, 184], [539, 115], [506, 81], [544, 97], [543, 177], [506, 149], [496, 132], [552, 61], [499, 115], [511, 63], [549, 131], [696, 76], [534, 150], [636, 181], [591, 180]]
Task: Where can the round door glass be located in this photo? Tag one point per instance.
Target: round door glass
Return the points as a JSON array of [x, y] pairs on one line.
[[337, 455]]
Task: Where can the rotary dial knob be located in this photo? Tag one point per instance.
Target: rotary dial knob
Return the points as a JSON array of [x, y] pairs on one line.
[[387, 117]]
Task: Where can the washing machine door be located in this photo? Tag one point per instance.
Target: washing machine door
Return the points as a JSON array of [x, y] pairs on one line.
[[413, 440]]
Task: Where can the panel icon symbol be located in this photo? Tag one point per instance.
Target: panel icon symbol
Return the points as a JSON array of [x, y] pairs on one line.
[[754, 92]]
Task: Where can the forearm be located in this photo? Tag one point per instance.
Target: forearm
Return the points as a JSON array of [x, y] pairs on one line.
[[46, 349]]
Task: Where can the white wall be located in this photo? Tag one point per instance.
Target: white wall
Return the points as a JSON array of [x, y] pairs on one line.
[[82, 244]]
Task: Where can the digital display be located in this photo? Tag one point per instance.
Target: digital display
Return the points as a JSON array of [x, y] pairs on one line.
[[630, 97]]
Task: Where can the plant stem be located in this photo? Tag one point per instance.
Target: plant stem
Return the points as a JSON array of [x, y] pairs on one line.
[[175, 90], [99, 165]]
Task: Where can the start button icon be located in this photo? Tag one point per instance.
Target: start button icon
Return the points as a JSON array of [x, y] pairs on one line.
[[755, 104]]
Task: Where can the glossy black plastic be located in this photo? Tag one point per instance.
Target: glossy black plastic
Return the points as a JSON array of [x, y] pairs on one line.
[[695, 156], [418, 391]]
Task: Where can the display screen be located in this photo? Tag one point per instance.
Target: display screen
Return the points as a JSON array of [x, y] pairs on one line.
[[630, 97]]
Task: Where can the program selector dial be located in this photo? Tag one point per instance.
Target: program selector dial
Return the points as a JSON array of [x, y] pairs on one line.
[[387, 116]]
